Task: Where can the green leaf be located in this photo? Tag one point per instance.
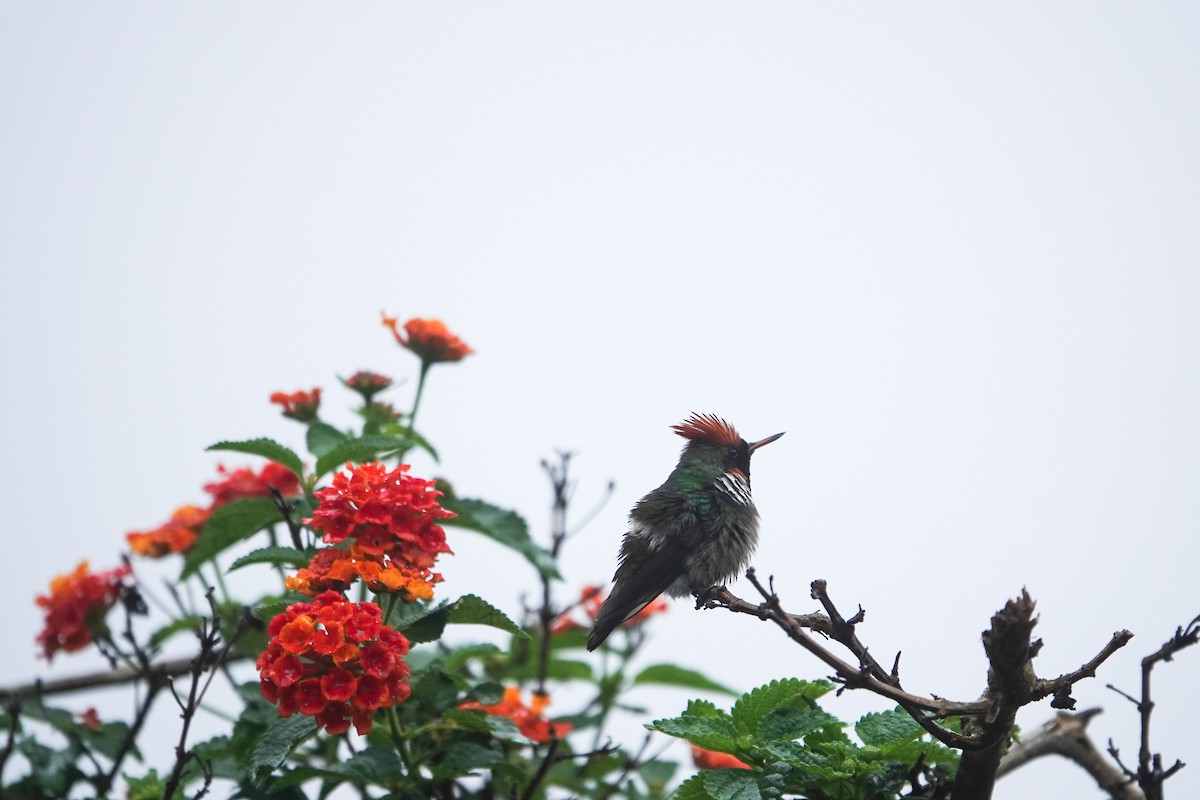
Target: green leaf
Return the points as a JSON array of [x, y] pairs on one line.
[[462, 655], [359, 451], [887, 726], [428, 627], [720, 784], [267, 448], [283, 556], [703, 725], [749, 711], [464, 758], [434, 689], [503, 526], [321, 438], [277, 741], [228, 525], [784, 724], [671, 675], [473, 610], [488, 694]]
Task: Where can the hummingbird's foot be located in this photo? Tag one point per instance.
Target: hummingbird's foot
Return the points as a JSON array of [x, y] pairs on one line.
[[705, 597]]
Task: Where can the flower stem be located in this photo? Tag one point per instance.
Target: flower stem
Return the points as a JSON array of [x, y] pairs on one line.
[[220, 580], [412, 417]]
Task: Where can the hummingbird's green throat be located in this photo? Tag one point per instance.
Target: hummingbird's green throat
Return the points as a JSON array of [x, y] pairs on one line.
[[695, 531]]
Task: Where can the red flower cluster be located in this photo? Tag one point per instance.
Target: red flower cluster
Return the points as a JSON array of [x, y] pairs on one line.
[[300, 405], [528, 717], [390, 520], [245, 482], [711, 759], [334, 660], [368, 384], [430, 339], [76, 607], [176, 535], [590, 598]]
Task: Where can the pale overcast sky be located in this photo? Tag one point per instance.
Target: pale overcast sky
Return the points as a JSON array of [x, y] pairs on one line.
[[950, 248]]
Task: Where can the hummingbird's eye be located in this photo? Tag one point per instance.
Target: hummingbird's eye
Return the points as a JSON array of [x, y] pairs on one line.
[[732, 453]]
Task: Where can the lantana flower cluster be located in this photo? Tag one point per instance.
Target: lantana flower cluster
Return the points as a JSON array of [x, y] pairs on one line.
[[334, 660], [76, 607], [301, 405], [429, 339], [367, 384], [176, 535], [245, 482], [385, 526], [528, 718]]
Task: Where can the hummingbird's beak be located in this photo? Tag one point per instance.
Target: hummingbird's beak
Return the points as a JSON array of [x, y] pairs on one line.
[[755, 445]]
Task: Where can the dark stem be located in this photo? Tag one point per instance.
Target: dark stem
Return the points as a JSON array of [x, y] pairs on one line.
[[543, 768], [285, 509], [155, 681], [207, 660], [561, 485]]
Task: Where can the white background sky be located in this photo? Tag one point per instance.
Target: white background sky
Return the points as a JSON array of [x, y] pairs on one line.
[[950, 249]]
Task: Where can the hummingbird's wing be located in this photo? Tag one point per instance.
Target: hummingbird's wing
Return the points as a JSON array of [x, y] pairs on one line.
[[648, 565]]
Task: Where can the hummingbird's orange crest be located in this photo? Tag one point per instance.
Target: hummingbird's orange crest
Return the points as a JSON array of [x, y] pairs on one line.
[[708, 428]]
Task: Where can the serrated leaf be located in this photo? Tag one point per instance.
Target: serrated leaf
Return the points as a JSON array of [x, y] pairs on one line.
[[793, 723], [474, 610], [321, 438], [720, 784], [703, 725], [228, 525], [671, 675], [359, 451], [428, 627], [887, 726], [275, 554], [754, 705], [503, 526], [267, 448], [276, 743]]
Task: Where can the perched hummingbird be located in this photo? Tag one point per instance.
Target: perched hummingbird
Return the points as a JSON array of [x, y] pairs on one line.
[[695, 531]]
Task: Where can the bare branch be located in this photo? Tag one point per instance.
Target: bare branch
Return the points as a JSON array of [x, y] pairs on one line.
[[1066, 736]]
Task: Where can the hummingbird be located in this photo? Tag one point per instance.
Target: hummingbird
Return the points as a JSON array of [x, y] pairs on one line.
[[695, 531]]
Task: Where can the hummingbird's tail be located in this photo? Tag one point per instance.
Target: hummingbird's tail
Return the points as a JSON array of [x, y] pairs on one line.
[[612, 613]]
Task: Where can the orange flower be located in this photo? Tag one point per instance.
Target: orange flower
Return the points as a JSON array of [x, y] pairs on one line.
[[590, 598], [390, 519], [177, 535], [244, 482], [430, 339], [76, 607], [528, 718], [710, 759], [334, 660], [336, 569], [300, 405]]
